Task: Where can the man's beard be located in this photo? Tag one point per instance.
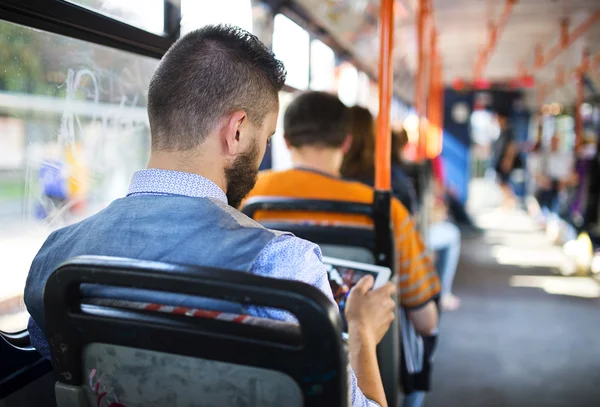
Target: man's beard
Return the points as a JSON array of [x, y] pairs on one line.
[[241, 176]]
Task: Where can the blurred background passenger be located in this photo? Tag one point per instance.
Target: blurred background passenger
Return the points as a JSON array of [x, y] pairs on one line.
[[359, 162], [443, 236]]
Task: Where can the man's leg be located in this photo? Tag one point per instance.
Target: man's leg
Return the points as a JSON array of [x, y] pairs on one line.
[[446, 235], [414, 399]]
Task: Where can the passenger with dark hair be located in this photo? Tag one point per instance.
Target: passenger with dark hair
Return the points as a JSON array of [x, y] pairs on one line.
[[359, 162], [213, 105], [443, 236], [505, 157], [318, 132]]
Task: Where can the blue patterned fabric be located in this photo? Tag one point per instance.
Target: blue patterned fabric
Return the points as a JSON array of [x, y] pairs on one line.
[[189, 223]]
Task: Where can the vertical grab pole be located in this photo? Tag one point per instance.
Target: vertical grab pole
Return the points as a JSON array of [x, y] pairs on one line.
[[388, 350], [441, 95], [420, 79], [383, 147], [432, 103]]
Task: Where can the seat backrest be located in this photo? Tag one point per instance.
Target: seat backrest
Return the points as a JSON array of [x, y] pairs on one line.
[[363, 244], [358, 243], [115, 352]]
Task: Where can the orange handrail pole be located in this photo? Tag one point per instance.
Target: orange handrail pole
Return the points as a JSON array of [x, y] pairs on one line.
[[433, 96], [495, 30], [420, 79], [439, 122], [383, 143], [442, 93], [565, 41], [589, 64]]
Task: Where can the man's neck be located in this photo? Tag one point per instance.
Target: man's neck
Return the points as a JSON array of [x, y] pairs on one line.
[[325, 160], [186, 162]]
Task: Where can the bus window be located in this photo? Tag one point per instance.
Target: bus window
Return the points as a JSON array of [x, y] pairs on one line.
[[148, 15], [195, 14], [291, 44], [282, 159], [347, 83], [322, 67], [73, 127]]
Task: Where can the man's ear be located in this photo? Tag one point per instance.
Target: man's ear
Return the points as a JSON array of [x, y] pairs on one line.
[[232, 132], [287, 142], [347, 144]]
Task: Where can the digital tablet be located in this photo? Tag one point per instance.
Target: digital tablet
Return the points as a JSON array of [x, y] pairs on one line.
[[344, 274]]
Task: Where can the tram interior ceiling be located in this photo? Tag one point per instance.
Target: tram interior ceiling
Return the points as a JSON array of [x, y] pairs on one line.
[[453, 87]]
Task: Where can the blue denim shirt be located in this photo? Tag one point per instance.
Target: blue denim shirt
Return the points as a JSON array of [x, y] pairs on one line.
[[177, 217]]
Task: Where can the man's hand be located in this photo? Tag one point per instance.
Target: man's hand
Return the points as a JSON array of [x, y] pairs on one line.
[[370, 313]]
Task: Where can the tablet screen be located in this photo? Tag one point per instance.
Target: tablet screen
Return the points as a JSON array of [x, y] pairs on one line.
[[342, 279], [343, 275]]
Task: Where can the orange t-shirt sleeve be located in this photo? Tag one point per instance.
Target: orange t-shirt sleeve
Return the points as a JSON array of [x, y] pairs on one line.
[[418, 279]]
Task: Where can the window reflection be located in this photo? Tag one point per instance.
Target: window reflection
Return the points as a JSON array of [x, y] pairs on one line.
[[291, 45], [322, 63], [196, 14], [73, 129], [148, 15]]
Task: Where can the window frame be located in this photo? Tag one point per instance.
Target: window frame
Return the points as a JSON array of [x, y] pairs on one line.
[[74, 21]]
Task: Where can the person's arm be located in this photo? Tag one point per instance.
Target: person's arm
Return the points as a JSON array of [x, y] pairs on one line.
[[289, 257], [369, 315], [419, 281]]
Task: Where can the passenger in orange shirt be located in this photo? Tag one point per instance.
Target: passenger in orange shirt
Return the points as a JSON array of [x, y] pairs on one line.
[[317, 133]]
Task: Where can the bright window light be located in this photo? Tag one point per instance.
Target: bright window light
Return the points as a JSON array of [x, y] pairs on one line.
[[196, 14], [291, 45], [348, 84], [282, 159], [322, 63]]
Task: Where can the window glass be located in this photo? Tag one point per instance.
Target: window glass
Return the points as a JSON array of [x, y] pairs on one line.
[[322, 67], [364, 85], [291, 45], [281, 159], [73, 129], [195, 14], [347, 83], [148, 15]]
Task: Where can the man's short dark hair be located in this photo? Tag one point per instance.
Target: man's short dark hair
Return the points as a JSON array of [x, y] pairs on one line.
[[316, 118], [207, 74]]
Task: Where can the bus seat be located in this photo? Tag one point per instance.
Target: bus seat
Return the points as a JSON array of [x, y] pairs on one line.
[[117, 352], [353, 253], [344, 242], [356, 243]]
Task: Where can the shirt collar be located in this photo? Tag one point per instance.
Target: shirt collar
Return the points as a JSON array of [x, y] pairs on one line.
[[165, 182]]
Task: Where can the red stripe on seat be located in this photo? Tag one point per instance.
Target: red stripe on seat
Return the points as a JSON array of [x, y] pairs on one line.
[[206, 314], [181, 310], [240, 318], [153, 307]]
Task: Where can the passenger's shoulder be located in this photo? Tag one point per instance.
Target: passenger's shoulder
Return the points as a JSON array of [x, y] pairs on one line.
[[355, 190], [287, 242], [398, 211]]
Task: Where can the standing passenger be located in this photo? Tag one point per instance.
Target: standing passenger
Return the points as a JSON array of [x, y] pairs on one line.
[[505, 155], [213, 105]]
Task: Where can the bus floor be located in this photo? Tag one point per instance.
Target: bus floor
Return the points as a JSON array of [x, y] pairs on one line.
[[525, 335]]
